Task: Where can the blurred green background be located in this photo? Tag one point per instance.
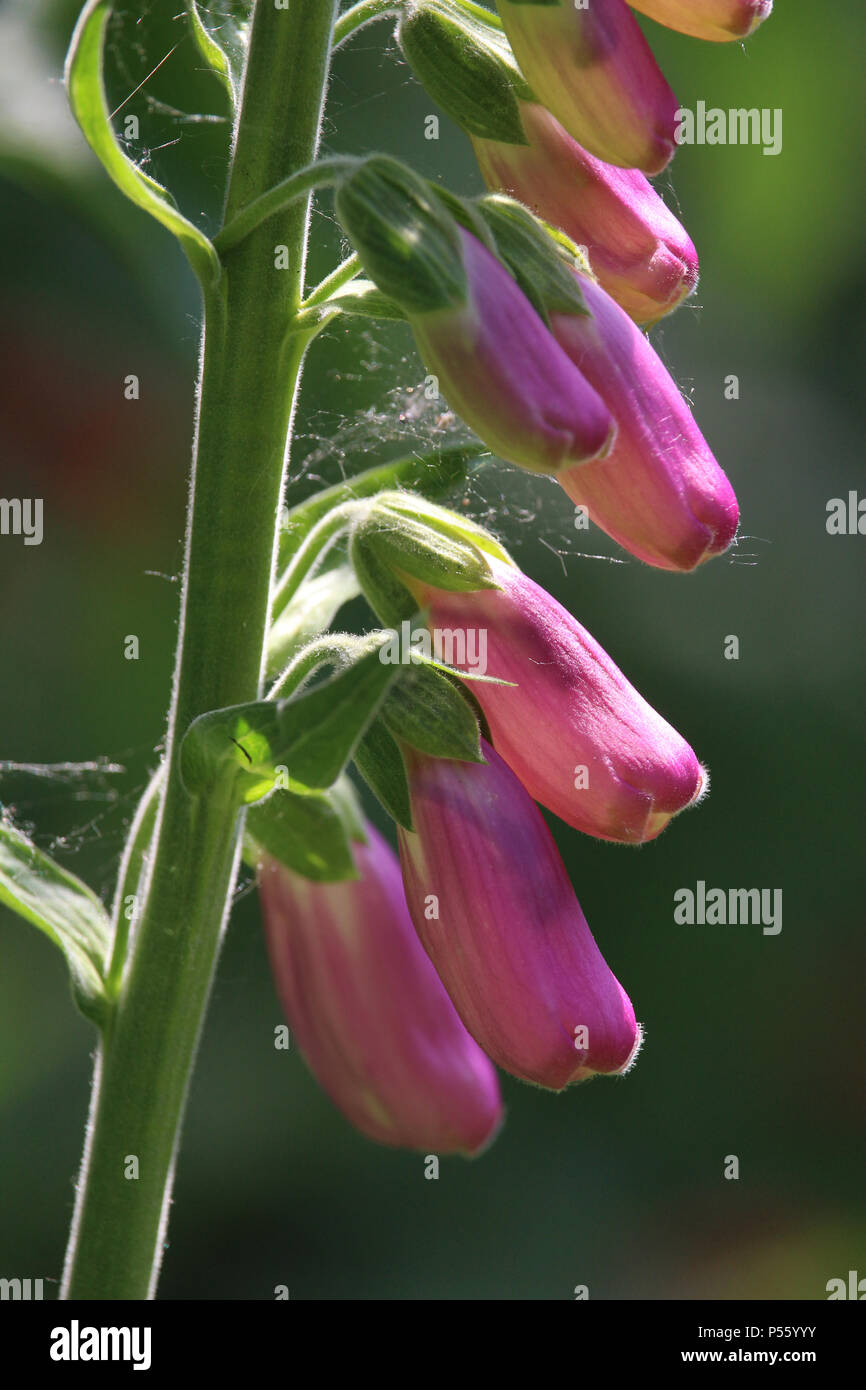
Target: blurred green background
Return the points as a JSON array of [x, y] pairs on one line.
[[754, 1043]]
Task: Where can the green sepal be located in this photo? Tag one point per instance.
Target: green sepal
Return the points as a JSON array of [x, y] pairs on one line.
[[443, 521], [389, 599], [83, 76], [312, 733], [573, 255], [427, 710], [310, 833], [447, 562], [432, 475], [465, 63], [380, 763], [466, 214], [413, 537], [65, 909], [364, 298], [406, 240], [536, 260]]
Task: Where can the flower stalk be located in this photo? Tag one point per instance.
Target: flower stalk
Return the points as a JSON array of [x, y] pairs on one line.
[[250, 367]]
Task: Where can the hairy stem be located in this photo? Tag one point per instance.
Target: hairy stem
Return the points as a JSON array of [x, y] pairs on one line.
[[323, 174], [315, 546], [363, 13], [251, 361], [345, 271]]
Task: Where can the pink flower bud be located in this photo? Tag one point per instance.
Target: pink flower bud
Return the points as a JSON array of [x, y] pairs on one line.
[[368, 1011], [493, 905], [660, 492], [717, 20], [594, 70], [641, 254], [580, 738], [501, 370]]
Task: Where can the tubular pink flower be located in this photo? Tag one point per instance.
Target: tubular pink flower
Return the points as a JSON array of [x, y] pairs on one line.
[[641, 254], [501, 370], [660, 492], [595, 71], [493, 905], [369, 1013], [717, 20], [580, 738]]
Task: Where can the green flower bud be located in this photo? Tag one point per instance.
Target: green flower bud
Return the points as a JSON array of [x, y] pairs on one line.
[[402, 537], [406, 238], [466, 64]]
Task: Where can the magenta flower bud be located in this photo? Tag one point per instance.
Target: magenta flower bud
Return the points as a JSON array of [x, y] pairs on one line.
[[580, 738], [717, 20], [493, 905], [595, 71], [660, 492], [501, 370], [641, 254], [369, 1012]]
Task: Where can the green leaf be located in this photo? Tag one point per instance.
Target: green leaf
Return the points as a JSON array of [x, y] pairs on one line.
[[380, 763], [305, 832], [87, 97], [427, 711], [210, 50], [320, 728], [62, 907], [227, 24], [312, 734]]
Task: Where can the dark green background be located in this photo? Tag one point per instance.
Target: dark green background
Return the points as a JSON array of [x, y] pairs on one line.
[[754, 1044]]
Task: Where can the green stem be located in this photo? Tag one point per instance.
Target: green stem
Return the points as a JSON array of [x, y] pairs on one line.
[[363, 13], [344, 272], [323, 174], [251, 362], [335, 649], [314, 547]]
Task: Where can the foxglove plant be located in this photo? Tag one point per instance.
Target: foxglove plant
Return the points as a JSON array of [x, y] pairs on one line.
[[271, 707]]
